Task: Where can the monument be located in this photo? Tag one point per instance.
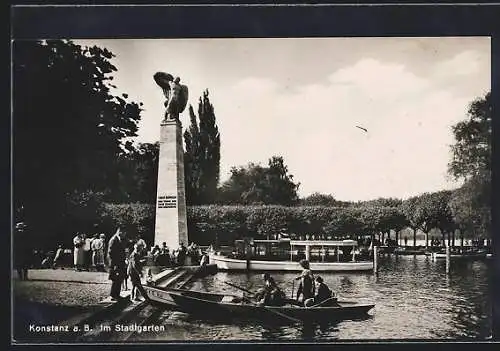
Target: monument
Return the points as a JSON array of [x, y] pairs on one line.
[[171, 214]]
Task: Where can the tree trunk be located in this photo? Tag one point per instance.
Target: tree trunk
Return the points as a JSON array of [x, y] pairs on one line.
[[449, 238], [453, 239], [414, 237], [443, 238], [426, 240], [461, 239], [397, 239]]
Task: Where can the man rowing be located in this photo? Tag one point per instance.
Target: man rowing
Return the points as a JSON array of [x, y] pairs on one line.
[[270, 294]]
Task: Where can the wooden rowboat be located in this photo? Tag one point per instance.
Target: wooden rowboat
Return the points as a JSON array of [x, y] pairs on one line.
[[221, 305], [465, 255]]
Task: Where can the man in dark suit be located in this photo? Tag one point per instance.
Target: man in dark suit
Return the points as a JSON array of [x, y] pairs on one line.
[[117, 266]]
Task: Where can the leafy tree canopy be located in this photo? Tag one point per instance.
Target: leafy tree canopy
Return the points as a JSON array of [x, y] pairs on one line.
[[69, 128], [471, 153], [255, 184]]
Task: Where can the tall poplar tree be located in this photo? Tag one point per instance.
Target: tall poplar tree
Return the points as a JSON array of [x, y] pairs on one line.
[[202, 155]]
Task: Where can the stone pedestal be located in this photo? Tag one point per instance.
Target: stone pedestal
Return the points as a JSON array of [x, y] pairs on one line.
[[171, 221]]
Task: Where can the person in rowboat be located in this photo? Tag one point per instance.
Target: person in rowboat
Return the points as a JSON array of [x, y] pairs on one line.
[[270, 294], [323, 293], [306, 287]]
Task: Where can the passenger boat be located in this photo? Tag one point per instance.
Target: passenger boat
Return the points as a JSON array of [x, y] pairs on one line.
[[223, 305], [284, 255]]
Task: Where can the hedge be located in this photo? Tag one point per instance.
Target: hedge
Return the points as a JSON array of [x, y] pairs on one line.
[[223, 224]]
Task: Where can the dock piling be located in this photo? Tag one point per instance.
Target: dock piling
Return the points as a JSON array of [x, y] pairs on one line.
[[448, 254]]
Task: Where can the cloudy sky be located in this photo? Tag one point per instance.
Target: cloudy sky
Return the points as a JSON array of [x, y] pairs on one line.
[[303, 98]]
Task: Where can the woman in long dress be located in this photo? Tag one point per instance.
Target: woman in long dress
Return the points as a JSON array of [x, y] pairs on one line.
[[79, 253], [98, 252]]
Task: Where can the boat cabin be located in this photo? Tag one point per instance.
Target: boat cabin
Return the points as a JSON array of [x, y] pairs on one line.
[[296, 250]]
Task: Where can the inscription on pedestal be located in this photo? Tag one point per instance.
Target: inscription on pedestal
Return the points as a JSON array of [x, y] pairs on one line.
[[171, 221], [167, 201]]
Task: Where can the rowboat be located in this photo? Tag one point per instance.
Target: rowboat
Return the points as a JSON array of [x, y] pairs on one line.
[[284, 255], [162, 295], [464, 255], [224, 305]]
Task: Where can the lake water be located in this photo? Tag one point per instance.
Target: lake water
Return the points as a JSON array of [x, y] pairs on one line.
[[413, 297]]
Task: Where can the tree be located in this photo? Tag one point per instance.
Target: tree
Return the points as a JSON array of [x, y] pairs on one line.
[[391, 218], [343, 223], [255, 185], [137, 175], [470, 206], [471, 153], [69, 129], [281, 183], [434, 212], [202, 155], [317, 199], [413, 213], [383, 202], [471, 161]]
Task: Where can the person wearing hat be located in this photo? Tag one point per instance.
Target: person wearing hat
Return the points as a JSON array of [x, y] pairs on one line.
[[306, 286], [270, 294]]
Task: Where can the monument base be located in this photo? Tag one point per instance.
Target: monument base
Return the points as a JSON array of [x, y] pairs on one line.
[[171, 212]]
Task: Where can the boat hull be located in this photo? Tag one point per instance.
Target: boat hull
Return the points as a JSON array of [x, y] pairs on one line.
[[266, 313], [232, 264], [162, 295], [459, 256]]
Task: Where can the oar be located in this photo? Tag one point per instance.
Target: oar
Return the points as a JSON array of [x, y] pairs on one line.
[[239, 287], [265, 307]]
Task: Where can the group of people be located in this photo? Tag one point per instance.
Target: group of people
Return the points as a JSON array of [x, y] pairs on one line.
[[162, 256], [165, 258], [122, 268], [312, 291], [88, 252]]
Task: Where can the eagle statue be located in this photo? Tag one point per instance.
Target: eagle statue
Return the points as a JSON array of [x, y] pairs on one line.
[[176, 94]]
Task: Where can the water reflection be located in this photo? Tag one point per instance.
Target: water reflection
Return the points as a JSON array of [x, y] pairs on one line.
[[414, 299]]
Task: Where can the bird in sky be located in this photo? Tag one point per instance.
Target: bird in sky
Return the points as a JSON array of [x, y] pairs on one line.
[[366, 130]]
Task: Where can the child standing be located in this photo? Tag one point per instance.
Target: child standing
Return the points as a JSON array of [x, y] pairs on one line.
[[134, 271]]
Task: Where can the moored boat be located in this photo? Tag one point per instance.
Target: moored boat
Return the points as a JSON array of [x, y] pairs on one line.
[[409, 251], [462, 255], [222, 305], [284, 255]]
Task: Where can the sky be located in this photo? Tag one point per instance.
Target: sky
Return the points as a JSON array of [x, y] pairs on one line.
[[302, 98]]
